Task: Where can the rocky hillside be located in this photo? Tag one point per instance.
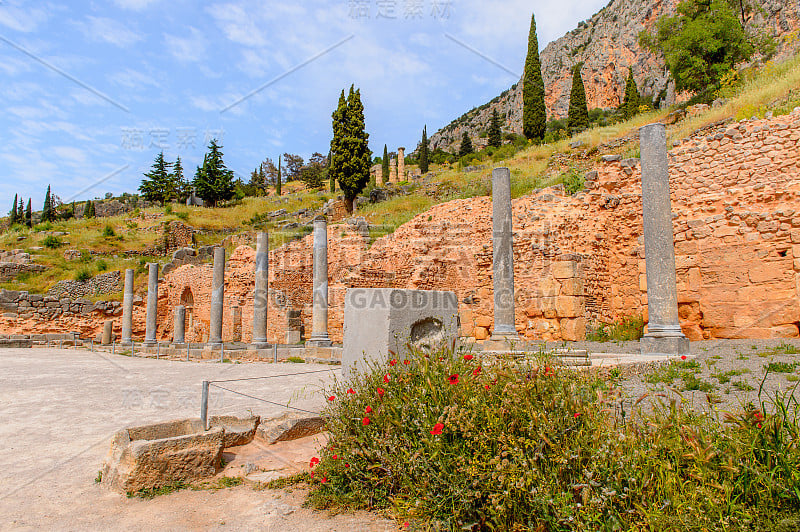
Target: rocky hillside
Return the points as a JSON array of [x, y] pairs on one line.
[[608, 46]]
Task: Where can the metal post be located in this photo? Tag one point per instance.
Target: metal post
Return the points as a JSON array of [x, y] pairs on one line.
[[187, 351], [133, 349], [275, 353], [221, 353], [204, 406], [158, 350], [91, 344], [114, 347]]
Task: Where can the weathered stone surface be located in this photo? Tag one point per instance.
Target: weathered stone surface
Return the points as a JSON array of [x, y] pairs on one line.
[[238, 431], [152, 456], [289, 426]]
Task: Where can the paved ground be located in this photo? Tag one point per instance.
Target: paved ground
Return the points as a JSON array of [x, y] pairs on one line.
[[59, 408]]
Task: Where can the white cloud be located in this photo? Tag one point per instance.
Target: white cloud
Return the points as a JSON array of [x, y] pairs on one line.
[[69, 154], [104, 29], [134, 5], [24, 19], [189, 49], [133, 79]]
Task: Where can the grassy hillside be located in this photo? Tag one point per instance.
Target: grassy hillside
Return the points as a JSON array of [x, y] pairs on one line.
[[104, 241]]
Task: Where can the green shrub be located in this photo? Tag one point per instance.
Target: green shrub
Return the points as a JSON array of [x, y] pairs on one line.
[[447, 444], [51, 242], [83, 275], [168, 209], [102, 265], [628, 328], [108, 232], [183, 215], [573, 181]]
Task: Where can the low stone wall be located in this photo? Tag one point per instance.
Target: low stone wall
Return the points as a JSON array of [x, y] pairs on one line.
[[47, 307], [104, 283], [16, 262]]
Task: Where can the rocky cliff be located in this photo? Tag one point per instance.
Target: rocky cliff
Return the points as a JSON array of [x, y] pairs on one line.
[[607, 44]]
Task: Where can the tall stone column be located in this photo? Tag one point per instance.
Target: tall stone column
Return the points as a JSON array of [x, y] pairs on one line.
[[217, 297], [664, 336], [179, 337], [393, 171], [152, 304], [319, 321], [261, 292], [401, 164], [127, 308], [502, 257]]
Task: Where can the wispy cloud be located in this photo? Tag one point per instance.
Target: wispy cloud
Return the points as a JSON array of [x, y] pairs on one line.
[[189, 49], [24, 19], [104, 29], [134, 5]]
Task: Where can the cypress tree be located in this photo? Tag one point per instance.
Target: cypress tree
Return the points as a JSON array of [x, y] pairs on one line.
[[47, 209], [333, 180], [630, 103], [534, 113], [21, 211], [385, 166], [350, 152], [466, 145], [279, 180], [180, 187], [28, 214], [424, 156], [578, 117], [12, 214], [87, 209], [495, 135], [339, 124]]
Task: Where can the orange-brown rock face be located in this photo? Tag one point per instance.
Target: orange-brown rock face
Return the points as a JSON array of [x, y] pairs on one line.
[[578, 259]]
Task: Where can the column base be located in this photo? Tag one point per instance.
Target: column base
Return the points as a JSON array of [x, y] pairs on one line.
[[126, 343], [664, 345], [319, 341], [149, 343], [503, 342], [261, 345]]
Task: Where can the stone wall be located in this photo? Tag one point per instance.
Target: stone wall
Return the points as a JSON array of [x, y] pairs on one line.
[[104, 283], [16, 262]]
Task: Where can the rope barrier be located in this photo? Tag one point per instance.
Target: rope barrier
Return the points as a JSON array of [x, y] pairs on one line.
[[275, 376], [264, 400]]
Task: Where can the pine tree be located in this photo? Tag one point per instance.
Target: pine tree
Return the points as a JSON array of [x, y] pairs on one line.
[[12, 214], [630, 104], [578, 116], [385, 166], [158, 184], [466, 145], [213, 181], [279, 179], [47, 209], [423, 151], [179, 184], [350, 152], [495, 134], [534, 113], [28, 214]]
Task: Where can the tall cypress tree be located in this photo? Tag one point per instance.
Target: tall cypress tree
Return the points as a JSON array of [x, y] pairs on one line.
[[47, 209], [339, 125], [179, 185], [350, 152], [385, 166], [495, 135], [578, 117], [333, 180], [87, 209], [534, 113], [21, 211], [279, 179], [12, 214], [630, 103], [424, 156], [28, 214], [466, 145]]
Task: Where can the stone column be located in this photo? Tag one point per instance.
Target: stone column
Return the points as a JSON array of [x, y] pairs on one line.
[[401, 164], [108, 331], [664, 336], [236, 318], [179, 337], [393, 171], [502, 258], [152, 304], [127, 308], [319, 321], [261, 292], [217, 297]]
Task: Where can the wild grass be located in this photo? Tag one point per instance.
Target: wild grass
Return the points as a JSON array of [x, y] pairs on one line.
[[627, 328], [449, 443]]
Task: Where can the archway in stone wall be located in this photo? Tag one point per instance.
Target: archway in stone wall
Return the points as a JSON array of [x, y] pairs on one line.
[[187, 300]]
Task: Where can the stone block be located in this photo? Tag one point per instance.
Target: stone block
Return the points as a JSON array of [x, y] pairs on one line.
[[569, 307], [152, 456], [483, 321], [289, 426], [481, 333], [293, 337], [664, 346], [238, 431], [572, 287], [380, 320], [573, 330], [565, 269]]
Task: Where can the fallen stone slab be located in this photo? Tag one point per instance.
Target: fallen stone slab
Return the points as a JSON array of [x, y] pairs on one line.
[[238, 431], [289, 426], [16, 343], [152, 456]]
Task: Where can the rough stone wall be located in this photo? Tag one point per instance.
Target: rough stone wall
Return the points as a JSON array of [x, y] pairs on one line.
[[104, 283], [16, 262]]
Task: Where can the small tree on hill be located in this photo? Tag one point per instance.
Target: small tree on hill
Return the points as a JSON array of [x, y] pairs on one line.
[[424, 155], [278, 178], [47, 209], [630, 104], [495, 134], [213, 181], [88, 209], [350, 154], [385, 166], [466, 145], [578, 116], [21, 211], [159, 184], [534, 112], [293, 164], [28, 214], [181, 187], [12, 214]]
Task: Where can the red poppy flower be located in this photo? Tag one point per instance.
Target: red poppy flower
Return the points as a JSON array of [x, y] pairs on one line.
[[406, 524], [577, 414], [381, 392], [406, 362], [312, 474], [758, 415], [332, 398], [347, 465], [365, 421], [437, 429], [368, 410], [453, 378], [683, 357], [393, 362], [351, 391], [476, 371], [387, 378], [468, 357], [759, 425], [487, 386], [548, 371], [314, 461], [324, 480]]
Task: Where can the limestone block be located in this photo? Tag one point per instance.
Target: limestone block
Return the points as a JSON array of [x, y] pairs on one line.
[[289, 426], [483, 321], [481, 333], [548, 305], [565, 269], [548, 287], [573, 330], [572, 287], [380, 320], [238, 431], [569, 306]]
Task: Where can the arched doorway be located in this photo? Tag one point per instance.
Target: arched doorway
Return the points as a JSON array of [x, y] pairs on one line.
[[187, 300]]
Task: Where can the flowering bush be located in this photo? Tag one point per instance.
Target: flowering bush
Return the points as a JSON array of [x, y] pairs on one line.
[[451, 442]]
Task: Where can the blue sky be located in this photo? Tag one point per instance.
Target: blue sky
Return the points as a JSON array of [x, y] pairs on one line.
[[92, 91]]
